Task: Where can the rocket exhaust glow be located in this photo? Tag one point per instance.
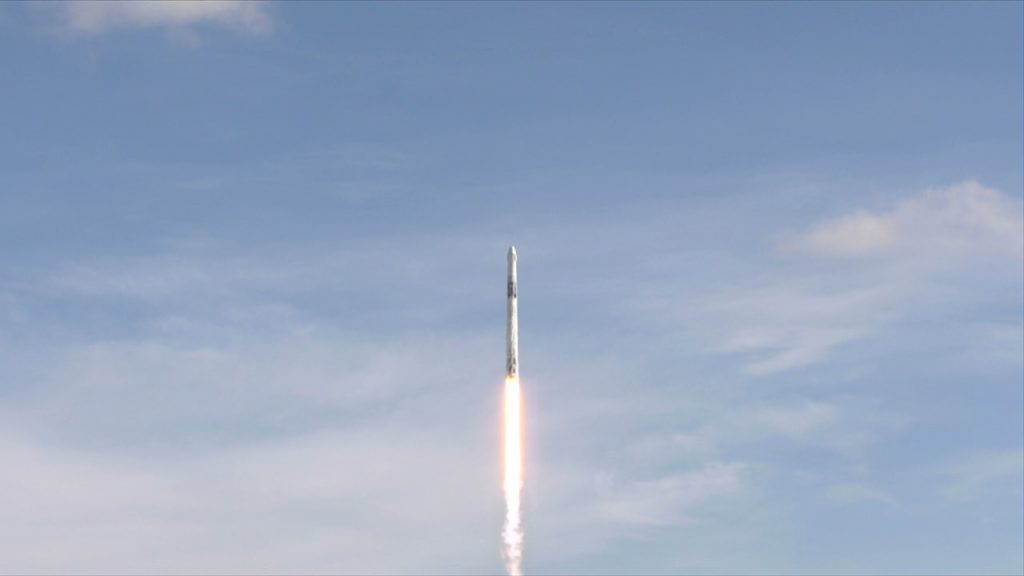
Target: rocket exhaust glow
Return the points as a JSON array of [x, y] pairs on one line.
[[512, 533]]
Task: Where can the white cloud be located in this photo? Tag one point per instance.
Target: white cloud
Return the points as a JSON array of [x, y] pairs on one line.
[[841, 427], [165, 434], [797, 420], [844, 428], [963, 217], [98, 16], [674, 445], [788, 326], [958, 246], [199, 349], [331, 502], [290, 377], [858, 233], [856, 493], [669, 499], [984, 474], [196, 270]]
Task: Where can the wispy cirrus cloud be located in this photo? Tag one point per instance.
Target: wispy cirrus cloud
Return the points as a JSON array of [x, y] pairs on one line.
[[788, 326], [237, 330], [966, 216], [327, 501], [668, 499], [857, 493], [845, 427], [869, 271], [983, 474], [97, 17]]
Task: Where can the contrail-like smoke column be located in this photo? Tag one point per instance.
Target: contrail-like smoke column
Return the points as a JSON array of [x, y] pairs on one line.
[[512, 533]]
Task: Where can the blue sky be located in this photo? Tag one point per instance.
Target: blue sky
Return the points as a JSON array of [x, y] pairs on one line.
[[771, 278]]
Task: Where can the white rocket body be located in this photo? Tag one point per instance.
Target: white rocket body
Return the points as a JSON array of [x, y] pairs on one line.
[[512, 326]]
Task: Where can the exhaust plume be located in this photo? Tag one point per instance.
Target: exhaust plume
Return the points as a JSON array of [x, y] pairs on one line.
[[512, 533]]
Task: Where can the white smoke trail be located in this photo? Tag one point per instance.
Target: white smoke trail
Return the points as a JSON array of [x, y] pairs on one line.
[[512, 533]]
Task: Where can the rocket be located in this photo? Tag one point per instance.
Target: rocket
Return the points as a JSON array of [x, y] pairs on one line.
[[512, 324]]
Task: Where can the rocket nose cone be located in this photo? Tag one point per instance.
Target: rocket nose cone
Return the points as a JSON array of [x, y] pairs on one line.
[[511, 251]]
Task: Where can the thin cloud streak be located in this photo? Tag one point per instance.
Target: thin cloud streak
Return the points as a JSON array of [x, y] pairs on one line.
[[98, 17], [964, 217], [233, 330], [272, 499]]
